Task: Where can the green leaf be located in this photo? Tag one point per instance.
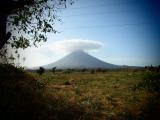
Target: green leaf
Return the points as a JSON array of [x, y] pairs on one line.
[[40, 10], [9, 23]]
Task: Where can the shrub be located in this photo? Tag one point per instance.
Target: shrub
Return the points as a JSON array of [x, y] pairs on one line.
[[65, 82], [77, 91], [103, 70], [92, 71], [108, 97], [151, 68], [53, 70], [83, 70], [69, 71], [40, 70], [66, 71], [151, 81], [98, 70], [145, 67]]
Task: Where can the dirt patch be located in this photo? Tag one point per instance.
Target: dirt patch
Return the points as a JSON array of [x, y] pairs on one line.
[[71, 80]]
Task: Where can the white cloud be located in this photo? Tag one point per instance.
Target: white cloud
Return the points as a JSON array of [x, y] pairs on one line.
[[46, 54], [43, 50], [67, 46]]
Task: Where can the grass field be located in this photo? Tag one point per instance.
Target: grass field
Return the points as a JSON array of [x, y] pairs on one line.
[[77, 96]]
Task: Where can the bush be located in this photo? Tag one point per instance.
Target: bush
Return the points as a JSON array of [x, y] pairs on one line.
[[69, 71], [77, 91], [66, 71], [98, 70], [103, 70], [152, 82], [40, 70], [65, 82], [53, 70], [151, 68], [92, 71], [83, 70]]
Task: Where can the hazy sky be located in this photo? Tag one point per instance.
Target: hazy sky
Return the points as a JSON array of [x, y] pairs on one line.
[[121, 32]]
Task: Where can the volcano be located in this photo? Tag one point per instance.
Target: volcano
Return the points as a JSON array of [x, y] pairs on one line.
[[79, 59]]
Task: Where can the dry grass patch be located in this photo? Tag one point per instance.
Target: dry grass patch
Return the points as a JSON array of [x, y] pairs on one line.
[[84, 96]]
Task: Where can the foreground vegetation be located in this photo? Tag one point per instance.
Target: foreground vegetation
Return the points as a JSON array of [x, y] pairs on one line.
[[125, 94]]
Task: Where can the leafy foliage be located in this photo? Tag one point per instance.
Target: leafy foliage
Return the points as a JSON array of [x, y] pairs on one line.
[[98, 70], [40, 70], [92, 71], [83, 70], [66, 71], [23, 19], [104, 70], [53, 70], [65, 82], [151, 81]]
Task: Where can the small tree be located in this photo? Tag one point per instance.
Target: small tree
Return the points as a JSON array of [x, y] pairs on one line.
[[99, 70], [40, 70], [151, 68], [66, 71], [103, 70], [69, 71], [92, 71], [158, 66], [83, 70], [53, 70]]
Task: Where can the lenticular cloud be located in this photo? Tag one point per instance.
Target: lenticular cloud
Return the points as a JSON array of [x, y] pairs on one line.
[[74, 44]]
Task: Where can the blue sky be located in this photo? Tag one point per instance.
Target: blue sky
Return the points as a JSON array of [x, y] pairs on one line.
[[121, 32]]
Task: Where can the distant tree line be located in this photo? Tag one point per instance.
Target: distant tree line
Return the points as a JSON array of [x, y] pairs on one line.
[[41, 70], [153, 69]]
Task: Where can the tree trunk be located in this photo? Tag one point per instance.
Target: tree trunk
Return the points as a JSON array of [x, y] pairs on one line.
[[6, 7], [3, 36]]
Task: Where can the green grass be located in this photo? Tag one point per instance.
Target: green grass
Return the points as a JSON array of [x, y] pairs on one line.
[[87, 97]]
